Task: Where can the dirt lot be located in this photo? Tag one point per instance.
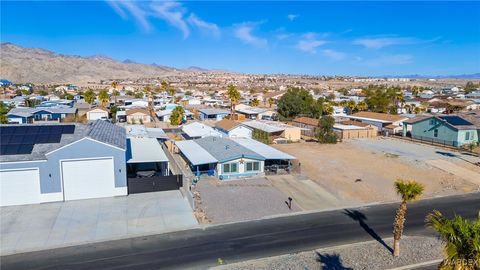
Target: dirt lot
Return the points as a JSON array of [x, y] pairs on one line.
[[364, 170]]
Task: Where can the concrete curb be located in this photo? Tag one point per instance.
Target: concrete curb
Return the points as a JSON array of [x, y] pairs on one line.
[[414, 266]]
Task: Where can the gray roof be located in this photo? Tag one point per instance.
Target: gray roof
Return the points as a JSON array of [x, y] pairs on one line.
[[262, 149], [98, 130], [214, 149], [225, 149], [213, 111], [107, 132], [27, 111]]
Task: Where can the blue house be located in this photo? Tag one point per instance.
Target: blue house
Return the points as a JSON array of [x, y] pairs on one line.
[[27, 115], [47, 163], [212, 114], [444, 129], [230, 158]]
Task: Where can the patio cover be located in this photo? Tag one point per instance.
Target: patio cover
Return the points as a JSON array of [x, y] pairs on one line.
[[145, 150]]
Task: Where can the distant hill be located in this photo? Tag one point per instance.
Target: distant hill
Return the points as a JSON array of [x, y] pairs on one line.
[[417, 76], [19, 64]]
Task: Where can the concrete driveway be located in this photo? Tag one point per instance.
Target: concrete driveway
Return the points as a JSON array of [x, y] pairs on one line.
[[44, 226]]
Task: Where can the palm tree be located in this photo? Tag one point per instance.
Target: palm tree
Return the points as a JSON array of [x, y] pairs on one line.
[[164, 85], [351, 106], [327, 109], [171, 91], [362, 106], [254, 102], [148, 92], [409, 190], [104, 97], [234, 97], [461, 238], [115, 93], [271, 101], [89, 96]]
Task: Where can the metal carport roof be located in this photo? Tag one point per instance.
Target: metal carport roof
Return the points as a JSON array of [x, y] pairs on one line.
[[264, 150], [196, 154], [144, 150]]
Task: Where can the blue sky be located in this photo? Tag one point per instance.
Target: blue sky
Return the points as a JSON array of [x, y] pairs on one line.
[[331, 38]]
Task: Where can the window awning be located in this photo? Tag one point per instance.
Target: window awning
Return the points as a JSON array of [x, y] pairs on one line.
[[145, 150]]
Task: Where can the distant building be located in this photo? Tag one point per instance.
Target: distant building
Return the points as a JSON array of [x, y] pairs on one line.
[[233, 129], [445, 129], [212, 114], [26, 115], [138, 116], [384, 122], [97, 113]]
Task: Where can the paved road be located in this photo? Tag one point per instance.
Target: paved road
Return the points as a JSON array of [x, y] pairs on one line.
[[200, 248]]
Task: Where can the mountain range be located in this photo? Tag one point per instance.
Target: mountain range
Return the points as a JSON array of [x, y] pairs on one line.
[[39, 66]]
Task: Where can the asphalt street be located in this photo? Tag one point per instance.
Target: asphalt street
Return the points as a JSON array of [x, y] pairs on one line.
[[200, 248]]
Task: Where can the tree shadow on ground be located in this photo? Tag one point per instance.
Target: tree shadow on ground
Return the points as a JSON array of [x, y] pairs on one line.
[[361, 218], [331, 262]]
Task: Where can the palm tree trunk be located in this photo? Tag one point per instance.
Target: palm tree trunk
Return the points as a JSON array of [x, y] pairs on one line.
[[398, 227]]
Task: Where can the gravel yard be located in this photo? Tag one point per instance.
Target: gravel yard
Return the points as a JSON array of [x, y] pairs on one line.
[[369, 255], [363, 171], [238, 200]]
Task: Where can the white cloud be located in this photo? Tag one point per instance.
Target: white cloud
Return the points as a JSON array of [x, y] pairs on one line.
[[244, 33], [171, 12], [292, 17], [386, 60], [334, 55], [309, 43], [203, 25], [140, 15], [378, 43]]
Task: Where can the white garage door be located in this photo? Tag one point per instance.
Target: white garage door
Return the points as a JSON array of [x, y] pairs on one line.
[[96, 115], [86, 179], [19, 187]]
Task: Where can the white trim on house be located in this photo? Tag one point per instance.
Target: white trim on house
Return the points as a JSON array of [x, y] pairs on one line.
[[51, 197], [85, 138], [25, 161]]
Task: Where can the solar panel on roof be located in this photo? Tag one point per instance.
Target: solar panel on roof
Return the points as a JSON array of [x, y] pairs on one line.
[[5, 138], [54, 138], [56, 130], [456, 121], [25, 149], [11, 149], [7, 130], [16, 139], [44, 130], [33, 129], [29, 138], [20, 130], [68, 129], [42, 138]]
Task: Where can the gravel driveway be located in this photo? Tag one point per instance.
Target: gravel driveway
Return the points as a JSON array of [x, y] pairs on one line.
[[238, 200]]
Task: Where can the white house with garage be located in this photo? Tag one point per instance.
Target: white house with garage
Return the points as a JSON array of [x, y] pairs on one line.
[[62, 162], [97, 113]]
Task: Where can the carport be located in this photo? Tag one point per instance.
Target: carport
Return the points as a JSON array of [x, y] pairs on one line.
[[147, 167]]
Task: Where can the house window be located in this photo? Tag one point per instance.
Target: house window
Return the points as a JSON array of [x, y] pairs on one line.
[[252, 166], [230, 168], [467, 136], [435, 133]]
